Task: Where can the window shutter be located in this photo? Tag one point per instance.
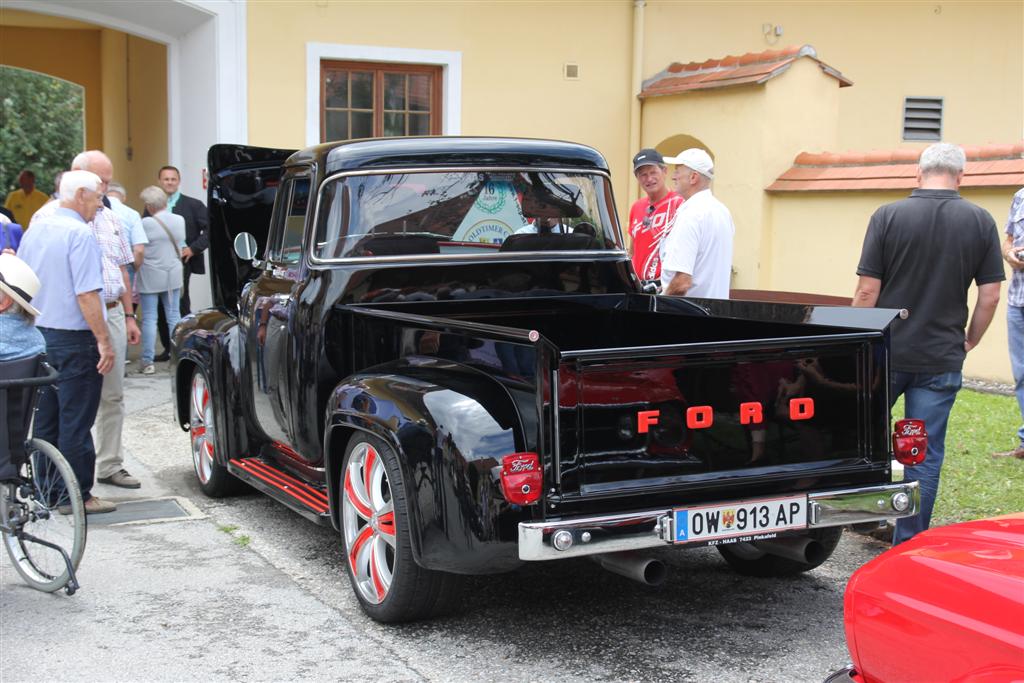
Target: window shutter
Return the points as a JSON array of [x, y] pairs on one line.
[[922, 118]]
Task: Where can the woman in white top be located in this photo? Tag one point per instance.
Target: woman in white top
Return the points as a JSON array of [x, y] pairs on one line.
[[160, 275]]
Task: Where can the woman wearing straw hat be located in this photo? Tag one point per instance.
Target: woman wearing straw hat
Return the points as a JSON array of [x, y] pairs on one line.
[[19, 337]]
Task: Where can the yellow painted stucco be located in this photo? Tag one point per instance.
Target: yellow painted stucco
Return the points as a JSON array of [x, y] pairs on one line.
[[135, 99], [820, 236], [749, 155], [969, 53], [512, 58]]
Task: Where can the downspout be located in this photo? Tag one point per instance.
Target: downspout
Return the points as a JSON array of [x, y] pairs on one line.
[[636, 84]]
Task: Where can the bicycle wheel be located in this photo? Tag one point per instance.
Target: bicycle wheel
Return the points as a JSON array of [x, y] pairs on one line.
[[46, 505]]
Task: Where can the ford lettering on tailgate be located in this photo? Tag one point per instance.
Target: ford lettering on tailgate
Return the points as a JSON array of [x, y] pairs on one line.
[[739, 521]]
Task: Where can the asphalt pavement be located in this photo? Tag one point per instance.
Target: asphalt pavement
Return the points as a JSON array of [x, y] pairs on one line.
[[243, 589]]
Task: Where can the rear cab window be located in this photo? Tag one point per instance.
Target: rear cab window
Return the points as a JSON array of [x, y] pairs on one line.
[[464, 213]]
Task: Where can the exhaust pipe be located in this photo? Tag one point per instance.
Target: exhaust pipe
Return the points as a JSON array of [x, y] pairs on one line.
[[646, 570], [797, 548]]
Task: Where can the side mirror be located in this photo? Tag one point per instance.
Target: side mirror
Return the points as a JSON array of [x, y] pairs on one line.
[[245, 246]]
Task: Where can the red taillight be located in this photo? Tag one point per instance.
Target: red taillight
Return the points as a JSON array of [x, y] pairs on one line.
[[910, 441], [521, 478]]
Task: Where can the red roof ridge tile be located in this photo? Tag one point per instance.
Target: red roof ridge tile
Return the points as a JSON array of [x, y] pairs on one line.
[[988, 165], [905, 155], [745, 59], [678, 78]]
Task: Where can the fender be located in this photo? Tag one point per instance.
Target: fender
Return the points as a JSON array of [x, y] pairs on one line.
[[206, 340], [450, 425]]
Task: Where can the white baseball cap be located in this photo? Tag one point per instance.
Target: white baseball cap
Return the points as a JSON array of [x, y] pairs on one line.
[[18, 281], [695, 158]]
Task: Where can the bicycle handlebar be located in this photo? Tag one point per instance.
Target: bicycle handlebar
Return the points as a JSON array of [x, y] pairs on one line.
[[38, 381]]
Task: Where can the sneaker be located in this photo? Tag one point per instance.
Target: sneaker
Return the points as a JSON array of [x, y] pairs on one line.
[[163, 357], [97, 506], [122, 479], [148, 369]]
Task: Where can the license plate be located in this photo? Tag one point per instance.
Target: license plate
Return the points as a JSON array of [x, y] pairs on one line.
[[739, 521]]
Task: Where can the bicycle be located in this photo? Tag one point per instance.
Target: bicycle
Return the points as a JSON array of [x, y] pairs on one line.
[[42, 515]]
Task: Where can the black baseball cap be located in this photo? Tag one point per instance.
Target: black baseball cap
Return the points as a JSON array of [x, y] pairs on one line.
[[647, 157]]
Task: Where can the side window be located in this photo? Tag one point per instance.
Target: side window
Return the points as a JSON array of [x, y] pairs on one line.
[[290, 221], [332, 225]]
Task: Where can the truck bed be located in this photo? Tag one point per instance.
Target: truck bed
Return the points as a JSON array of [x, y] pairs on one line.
[[626, 373]]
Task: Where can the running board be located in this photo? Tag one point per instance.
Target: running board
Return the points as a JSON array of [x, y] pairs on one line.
[[308, 501]]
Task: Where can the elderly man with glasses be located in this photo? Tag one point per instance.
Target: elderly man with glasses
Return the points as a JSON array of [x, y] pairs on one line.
[[63, 252], [115, 248]]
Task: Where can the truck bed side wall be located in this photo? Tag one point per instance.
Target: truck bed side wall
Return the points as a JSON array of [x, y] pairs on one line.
[[424, 392]]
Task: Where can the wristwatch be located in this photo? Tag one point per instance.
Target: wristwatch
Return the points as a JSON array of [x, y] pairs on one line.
[[130, 315]]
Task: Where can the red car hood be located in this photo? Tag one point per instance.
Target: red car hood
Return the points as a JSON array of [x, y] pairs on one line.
[[948, 605]]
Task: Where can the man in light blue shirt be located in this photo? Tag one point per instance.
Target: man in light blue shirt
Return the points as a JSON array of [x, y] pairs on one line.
[[63, 252]]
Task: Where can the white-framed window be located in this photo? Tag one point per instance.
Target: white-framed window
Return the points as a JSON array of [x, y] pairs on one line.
[[450, 64]]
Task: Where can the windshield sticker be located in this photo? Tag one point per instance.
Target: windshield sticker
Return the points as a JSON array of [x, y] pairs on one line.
[[494, 216]]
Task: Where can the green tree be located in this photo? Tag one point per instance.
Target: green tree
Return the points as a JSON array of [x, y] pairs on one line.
[[41, 126]]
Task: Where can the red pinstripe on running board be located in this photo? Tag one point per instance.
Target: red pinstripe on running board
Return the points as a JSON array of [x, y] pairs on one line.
[[304, 493]]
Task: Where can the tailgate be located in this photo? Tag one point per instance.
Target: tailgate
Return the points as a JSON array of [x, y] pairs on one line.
[[792, 412]]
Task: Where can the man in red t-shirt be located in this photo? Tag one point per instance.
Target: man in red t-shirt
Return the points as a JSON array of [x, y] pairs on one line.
[[650, 218]]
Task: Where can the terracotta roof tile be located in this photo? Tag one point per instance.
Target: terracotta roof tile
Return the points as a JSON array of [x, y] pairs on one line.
[[752, 67], [997, 165]]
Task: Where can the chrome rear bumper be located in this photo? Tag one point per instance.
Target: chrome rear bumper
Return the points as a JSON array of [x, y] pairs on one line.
[[653, 528]]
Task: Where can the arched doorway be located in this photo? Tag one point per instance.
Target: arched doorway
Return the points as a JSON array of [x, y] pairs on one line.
[[42, 125], [672, 146]]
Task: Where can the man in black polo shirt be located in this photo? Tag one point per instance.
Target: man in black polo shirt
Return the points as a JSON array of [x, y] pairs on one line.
[[921, 254]]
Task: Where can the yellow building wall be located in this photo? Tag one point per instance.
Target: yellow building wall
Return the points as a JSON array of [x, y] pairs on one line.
[[720, 121], [800, 113], [818, 238], [135, 106], [46, 50], [512, 58], [970, 53], [753, 132]]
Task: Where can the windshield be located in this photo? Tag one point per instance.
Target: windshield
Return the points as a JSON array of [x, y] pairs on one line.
[[464, 212]]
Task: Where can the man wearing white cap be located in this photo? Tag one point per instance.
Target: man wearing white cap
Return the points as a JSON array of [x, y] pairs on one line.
[[696, 257]]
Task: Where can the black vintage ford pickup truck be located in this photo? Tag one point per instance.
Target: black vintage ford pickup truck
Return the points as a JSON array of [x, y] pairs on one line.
[[439, 347]]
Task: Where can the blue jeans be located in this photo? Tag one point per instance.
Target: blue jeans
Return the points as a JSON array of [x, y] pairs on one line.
[[1015, 334], [170, 303], [927, 397], [66, 414]]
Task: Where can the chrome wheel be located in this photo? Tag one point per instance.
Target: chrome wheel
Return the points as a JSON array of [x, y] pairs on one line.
[[369, 523], [201, 428]]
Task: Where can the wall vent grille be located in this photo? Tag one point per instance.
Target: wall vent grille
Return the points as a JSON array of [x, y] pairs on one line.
[[922, 118]]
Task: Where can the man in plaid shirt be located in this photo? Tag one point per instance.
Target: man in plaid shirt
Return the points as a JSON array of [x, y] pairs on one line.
[[1013, 253]]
